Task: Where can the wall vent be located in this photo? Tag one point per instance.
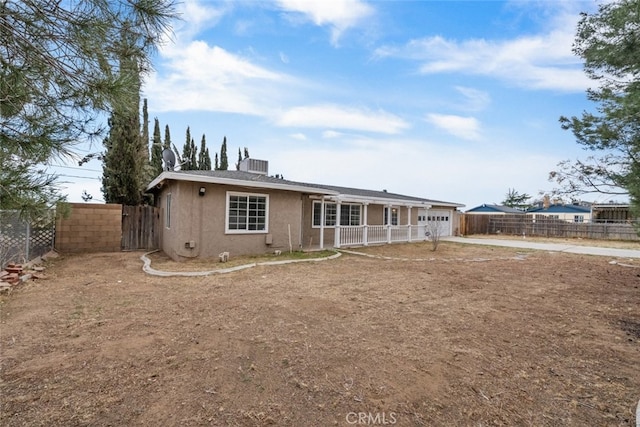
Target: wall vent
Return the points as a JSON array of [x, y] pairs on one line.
[[255, 166]]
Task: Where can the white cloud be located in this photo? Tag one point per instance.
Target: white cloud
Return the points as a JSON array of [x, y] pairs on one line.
[[330, 134], [475, 100], [536, 62], [299, 136], [284, 58], [339, 15], [339, 117], [200, 77], [196, 16], [462, 127]]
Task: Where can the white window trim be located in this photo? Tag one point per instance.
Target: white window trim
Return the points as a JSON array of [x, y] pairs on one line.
[[359, 214], [266, 216], [313, 210], [388, 210]]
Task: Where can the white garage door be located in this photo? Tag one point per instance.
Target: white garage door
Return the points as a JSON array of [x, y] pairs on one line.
[[435, 218]]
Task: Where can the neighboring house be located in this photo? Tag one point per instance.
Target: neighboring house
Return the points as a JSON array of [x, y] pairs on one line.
[[205, 213], [485, 209], [569, 213]]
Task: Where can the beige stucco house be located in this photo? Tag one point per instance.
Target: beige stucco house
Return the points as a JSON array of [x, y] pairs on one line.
[[205, 213]]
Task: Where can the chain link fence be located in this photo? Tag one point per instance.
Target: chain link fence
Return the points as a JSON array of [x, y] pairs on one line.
[[22, 241]]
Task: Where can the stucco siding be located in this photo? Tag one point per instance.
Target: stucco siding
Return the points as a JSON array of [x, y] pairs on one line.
[[198, 223]]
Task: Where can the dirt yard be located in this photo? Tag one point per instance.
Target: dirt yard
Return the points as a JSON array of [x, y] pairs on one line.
[[468, 335]]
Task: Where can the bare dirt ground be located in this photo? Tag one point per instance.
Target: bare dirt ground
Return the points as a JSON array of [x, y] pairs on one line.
[[469, 335]]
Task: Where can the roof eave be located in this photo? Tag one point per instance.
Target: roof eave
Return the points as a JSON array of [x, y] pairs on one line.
[[345, 197], [394, 201], [237, 182]]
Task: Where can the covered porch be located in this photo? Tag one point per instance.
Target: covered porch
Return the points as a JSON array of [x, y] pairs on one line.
[[355, 221]]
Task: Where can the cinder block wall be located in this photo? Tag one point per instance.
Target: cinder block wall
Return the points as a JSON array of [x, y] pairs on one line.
[[90, 228]]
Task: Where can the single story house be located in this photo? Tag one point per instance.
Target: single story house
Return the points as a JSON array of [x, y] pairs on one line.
[[569, 213], [205, 213], [485, 209]]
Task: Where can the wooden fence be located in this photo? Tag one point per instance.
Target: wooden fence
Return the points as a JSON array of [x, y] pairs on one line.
[[140, 227], [527, 225]]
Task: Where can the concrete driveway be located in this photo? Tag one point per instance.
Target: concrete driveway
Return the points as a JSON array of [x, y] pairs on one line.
[[554, 247]]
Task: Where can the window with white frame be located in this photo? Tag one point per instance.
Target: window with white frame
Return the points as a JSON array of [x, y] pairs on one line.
[[167, 213], [394, 216], [349, 214], [578, 218], [247, 212]]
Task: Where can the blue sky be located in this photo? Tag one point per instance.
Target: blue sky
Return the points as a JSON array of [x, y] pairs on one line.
[[447, 100]]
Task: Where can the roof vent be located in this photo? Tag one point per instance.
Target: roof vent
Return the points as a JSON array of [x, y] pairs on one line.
[[255, 166]]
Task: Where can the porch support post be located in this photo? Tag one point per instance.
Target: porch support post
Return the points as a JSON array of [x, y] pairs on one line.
[[389, 223], [409, 223], [322, 219], [365, 225], [336, 240]]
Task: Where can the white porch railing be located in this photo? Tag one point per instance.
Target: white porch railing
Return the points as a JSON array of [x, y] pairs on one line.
[[374, 234], [351, 235], [377, 234]]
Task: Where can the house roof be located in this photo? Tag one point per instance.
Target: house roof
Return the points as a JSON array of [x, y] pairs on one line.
[[331, 192], [495, 208], [561, 209]]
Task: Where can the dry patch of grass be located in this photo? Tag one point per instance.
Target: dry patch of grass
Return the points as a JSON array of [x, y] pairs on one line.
[[447, 251], [160, 261]]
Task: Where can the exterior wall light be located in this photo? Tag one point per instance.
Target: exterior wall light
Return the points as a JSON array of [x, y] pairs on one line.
[[202, 191]]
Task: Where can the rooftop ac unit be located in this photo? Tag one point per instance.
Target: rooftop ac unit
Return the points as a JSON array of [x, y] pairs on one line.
[[255, 166]]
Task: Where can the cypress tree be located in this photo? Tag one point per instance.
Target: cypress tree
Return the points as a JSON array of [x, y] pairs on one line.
[[224, 162], [167, 138], [207, 157], [186, 153], [204, 161], [144, 142], [194, 156], [156, 149]]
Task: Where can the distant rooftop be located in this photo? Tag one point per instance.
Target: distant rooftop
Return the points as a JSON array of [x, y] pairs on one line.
[[495, 209], [558, 208]]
